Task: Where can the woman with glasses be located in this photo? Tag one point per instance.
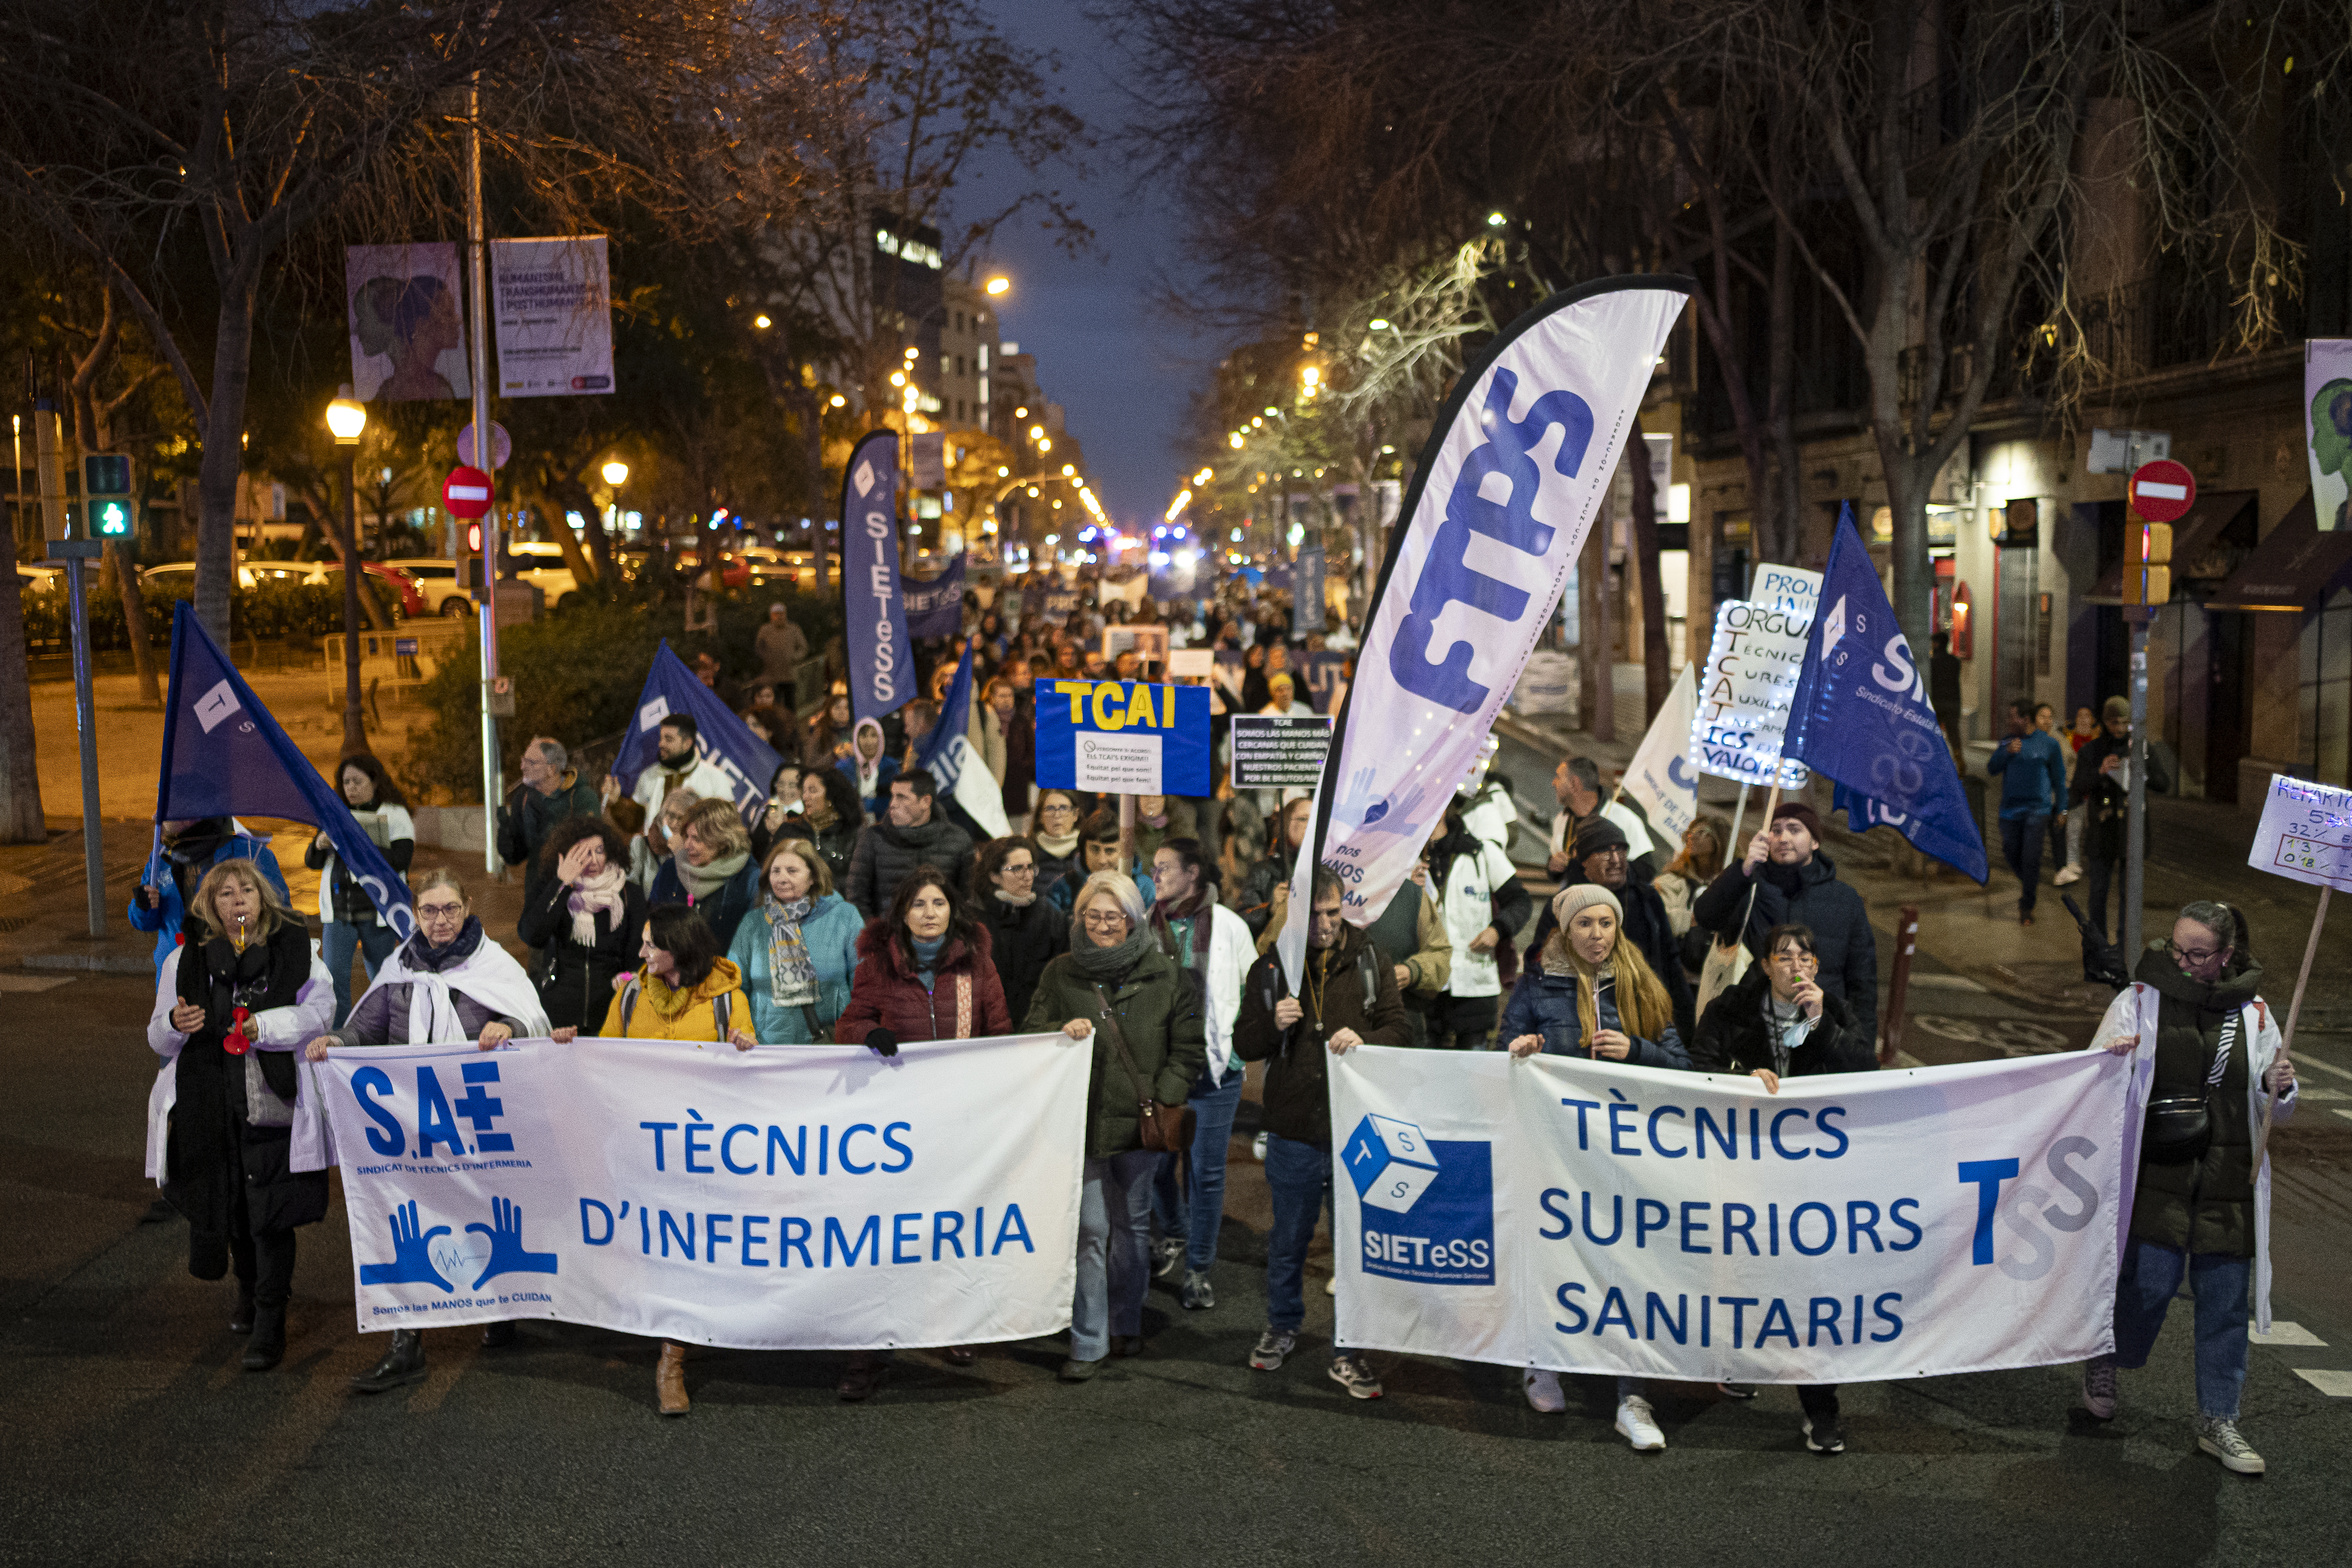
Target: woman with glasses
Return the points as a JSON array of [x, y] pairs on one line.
[[1025, 932], [1055, 834], [1779, 1022], [233, 1001], [1151, 1045], [2208, 1065], [447, 983]]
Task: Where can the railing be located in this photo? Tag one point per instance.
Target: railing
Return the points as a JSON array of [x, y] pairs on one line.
[[396, 660]]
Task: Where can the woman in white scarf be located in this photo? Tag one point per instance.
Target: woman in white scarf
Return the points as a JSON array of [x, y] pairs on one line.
[[447, 983]]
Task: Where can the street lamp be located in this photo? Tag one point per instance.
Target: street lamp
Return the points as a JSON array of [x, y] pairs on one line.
[[616, 473], [347, 418], [999, 285]]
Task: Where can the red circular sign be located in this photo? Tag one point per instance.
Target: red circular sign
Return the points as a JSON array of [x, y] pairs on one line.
[[467, 492], [2162, 491]]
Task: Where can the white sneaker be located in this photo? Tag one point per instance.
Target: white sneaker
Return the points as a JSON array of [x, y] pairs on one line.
[[1331, 1286], [1257, 1148], [2220, 1439], [2068, 875], [1542, 1389], [1638, 1427]]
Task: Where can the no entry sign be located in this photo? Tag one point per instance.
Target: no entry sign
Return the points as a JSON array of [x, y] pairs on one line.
[[467, 492], [2162, 491]]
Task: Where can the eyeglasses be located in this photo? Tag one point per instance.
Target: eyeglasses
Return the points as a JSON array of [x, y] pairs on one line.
[[439, 910], [1104, 919], [2195, 955], [1057, 810]]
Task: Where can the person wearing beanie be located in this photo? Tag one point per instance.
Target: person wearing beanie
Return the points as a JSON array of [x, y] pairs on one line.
[[1785, 879], [1601, 857], [2101, 787], [1588, 991]]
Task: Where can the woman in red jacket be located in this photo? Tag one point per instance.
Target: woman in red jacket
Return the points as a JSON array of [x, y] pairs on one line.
[[923, 973]]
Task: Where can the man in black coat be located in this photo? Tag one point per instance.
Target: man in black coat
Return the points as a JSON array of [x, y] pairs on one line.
[[2102, 787], [1599, 852], [915, 834], [1793, 884]]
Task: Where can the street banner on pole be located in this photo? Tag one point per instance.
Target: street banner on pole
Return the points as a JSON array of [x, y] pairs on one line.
[[554, 315], [1516, 464], [2306, 834], [224, 754], [873, 592], [935, 606], [1592, 1217], [795, 1197], [2327, 429], [724, 741], [401, 309], [947, 755], [1861, 714], [1307, 598], [1739, 728], [1129, 738], [1659, 777]]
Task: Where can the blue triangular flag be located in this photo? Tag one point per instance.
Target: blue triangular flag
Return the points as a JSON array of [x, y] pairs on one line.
[[1860, 714], [724, 740], [223, 755]]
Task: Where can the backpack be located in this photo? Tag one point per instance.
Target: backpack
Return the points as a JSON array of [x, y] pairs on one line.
[[722, 1008]]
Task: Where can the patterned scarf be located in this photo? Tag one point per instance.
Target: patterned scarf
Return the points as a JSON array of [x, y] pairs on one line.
[[591, 893], [792, 977]]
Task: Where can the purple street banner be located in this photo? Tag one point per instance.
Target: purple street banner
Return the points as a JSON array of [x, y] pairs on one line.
[[873, 589]]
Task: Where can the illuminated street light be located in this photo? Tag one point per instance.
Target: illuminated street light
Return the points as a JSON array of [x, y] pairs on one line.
[[1020, 413], [1044, 444], [1036, 432], [914, 353], [1068, 469], [898, 377], [762, 322], [616, 473], [839, 400], [999, 285], [346, 417], [1496, 220], [1205, 476], [1380, 323], [1236, 441], [1004, 472]]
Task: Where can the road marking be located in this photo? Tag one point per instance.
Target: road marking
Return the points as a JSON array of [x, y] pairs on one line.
[[2307, 1092], [2346, 1114], [1948, 982], [9, 982], [2334, 1383], [2323, 1066], [2284, 1332]]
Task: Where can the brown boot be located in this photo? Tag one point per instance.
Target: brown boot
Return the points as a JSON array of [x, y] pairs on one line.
[[669, 1379]]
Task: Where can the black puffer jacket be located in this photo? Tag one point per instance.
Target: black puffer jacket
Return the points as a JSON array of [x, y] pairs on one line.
[[1732, 1037], [1022, 941], [1298, 1096], [886, 855], [1810, 895]]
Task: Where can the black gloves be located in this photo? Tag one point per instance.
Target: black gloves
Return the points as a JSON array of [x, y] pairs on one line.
[[881, 1042]]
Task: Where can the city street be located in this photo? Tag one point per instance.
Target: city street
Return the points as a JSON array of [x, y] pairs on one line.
[[144, 1441]]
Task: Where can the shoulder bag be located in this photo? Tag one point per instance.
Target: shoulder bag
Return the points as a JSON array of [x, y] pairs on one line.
[[1165, 1128], [2179, 1127]]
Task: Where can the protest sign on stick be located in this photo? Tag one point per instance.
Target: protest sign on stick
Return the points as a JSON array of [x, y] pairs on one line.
[[2306, 836]]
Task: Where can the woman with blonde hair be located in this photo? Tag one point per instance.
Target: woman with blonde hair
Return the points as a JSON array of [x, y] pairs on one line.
[[1592, 992], [234, 1133], [712, 871], [797, 951], [1698, 864]]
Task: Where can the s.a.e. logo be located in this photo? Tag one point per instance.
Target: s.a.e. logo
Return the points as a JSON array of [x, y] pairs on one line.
[[1427, 1205], [436, 1115]]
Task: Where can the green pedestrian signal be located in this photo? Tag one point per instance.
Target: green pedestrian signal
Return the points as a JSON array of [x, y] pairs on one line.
[[113, 518], [106, 494]]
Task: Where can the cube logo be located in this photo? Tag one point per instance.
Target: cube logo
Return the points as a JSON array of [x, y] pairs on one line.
[[215, 706], [652, 712], [1427, 1205]]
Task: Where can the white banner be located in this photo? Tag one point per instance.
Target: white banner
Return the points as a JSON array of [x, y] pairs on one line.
[[1592, 1217], [1742, 719], [1503, 498], [811, 1198], [553, 316], [2306, 834], [1659, 778]]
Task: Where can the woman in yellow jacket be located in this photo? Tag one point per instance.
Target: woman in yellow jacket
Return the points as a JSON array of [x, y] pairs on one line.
[[684, 990]]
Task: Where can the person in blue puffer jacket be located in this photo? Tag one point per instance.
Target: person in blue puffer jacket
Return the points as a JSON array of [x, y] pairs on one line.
[[798, 948], [185, 851], [1590, 992]]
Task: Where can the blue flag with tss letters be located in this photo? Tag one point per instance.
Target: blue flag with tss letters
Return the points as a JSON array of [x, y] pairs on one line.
[[725, 741], [873, 592], [1860, 714], [935, 609], [222, 754]]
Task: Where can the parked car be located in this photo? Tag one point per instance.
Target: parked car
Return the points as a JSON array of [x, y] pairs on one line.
[[438, 581], [542, 566], [407, 597], [174, 578]]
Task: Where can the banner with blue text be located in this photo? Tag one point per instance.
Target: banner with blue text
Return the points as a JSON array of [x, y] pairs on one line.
[[873, 594], [800, 1197], [1589, 1217]]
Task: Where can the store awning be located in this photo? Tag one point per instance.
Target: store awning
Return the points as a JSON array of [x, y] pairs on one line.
[[2293, 568], [2194, 540]]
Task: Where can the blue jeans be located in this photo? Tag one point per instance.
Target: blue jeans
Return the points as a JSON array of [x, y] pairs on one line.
[[2020, 846], [1300, 1176], [1114, 1252], [2143, 1289], [337, 942], [1194, 1208]]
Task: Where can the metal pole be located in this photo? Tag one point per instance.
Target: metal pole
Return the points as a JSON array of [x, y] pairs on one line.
[[1906, 943], [354, 725], [485, 458], [49, 460]]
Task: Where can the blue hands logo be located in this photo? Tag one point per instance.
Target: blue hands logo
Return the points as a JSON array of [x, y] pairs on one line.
[[421, 1258]]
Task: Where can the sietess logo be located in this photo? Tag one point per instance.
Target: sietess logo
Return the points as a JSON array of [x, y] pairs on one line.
[[1427, 1205]]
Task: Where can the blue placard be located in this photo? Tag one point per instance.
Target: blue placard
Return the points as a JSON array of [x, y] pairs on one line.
[[1127, 737]]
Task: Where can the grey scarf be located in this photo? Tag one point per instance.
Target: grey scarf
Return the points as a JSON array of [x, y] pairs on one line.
[[1112, 966]]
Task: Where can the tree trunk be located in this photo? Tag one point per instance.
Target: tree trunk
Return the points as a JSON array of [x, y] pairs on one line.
[[583, 572], [1655, 678], [224, 459], [1907, 481], [1778, 527], [135, 623], [20, 774]]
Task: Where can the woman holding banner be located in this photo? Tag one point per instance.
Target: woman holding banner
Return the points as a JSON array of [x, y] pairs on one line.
[[448, 982], [1150, 1049], [1591, 992], [924, 972], [2200, 1039], [243, 990]]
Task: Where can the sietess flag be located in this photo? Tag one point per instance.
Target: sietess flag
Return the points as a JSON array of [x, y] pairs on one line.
[[873, 591], [724, 740], [935, 606], [222, 754], [1859, 712], [1506, 491]]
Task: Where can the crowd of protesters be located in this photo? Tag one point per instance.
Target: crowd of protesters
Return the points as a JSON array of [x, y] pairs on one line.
[[859, 905]]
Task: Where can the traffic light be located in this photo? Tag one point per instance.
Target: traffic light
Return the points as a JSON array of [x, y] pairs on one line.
[[2156, 555], [106, 495]]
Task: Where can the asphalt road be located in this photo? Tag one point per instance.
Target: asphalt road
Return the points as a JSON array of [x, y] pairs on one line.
[[135, 1437]]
